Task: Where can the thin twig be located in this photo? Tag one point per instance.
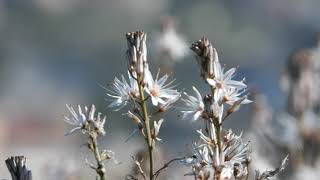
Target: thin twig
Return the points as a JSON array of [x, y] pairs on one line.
[[100, 169], [141, 170], [166, 165], [225, 117]]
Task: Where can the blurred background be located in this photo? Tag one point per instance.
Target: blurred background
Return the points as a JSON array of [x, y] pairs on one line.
[[57, 52]]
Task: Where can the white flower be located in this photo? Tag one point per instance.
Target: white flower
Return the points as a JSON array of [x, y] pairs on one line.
[[201, 155], [99, 124], [234, 95], [194, 105], [237, 152], [156, 129], [223, 81], [78, 119], [122, 92], [200, 162], [168, 104], [204, 153], [227, 173], [160, 92], [83, 117], [206, 139]]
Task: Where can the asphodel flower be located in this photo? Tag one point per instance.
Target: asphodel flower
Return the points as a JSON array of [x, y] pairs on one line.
[[83, 118], [222, 81], [160, 92], [194, 106], [122, 92]]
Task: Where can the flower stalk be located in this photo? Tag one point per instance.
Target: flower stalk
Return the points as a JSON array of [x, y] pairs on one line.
[[146, 117], [220, 154], [93, 146], [141, 88], [217, 125], [91, 124]]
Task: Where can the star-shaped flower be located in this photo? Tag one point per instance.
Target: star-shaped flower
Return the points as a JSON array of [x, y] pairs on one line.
[[194, 105], [122, 92], [160, 92], [222, 81]]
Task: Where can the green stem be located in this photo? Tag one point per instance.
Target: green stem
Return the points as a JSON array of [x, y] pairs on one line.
[[147, 126], [101, 170]]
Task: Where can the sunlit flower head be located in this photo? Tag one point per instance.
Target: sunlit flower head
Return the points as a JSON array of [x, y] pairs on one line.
[[194, 106], [235, 150], [233, 95], [200, 162], [81, 118], [78, 118], [222, 81], [201, 155], [168, 104], [98, 123], [122, 92], [235, 156], [160, 92]]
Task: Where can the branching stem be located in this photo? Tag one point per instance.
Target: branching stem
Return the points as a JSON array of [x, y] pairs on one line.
[[166, 165], [100, 169]]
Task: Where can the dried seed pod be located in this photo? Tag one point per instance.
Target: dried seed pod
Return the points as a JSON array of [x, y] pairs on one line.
[[17, 168]]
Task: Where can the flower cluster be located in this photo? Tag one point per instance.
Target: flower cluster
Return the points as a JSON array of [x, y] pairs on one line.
[[224, 88], [220, 154], [161, 93], [236, 157], [194, 105], [143, 86], [295, 129], [86, 120], [91, 124], [122, 92]]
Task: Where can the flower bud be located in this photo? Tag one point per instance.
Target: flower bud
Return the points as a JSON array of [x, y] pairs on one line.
[[206, 55], [135, 119], [137, 53]]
